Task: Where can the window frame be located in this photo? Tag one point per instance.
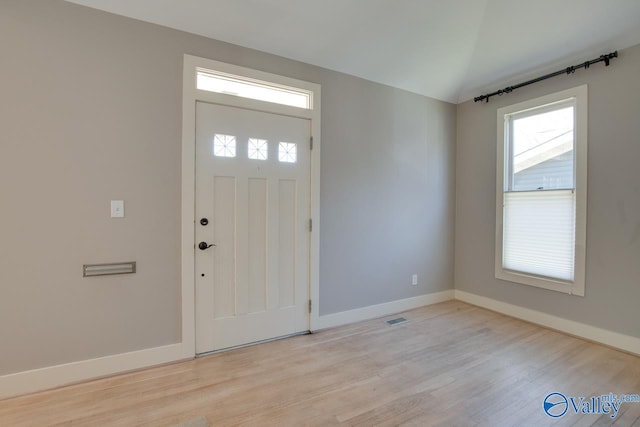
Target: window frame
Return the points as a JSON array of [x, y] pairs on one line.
[[244, 80], [538, 106]]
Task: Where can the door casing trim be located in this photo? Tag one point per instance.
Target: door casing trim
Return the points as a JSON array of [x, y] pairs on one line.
[[191, 95]]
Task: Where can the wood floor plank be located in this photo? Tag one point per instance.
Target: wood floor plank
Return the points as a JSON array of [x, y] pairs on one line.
[[452, 364]]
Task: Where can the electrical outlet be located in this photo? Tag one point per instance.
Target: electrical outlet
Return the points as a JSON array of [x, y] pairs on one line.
[[414, 280]]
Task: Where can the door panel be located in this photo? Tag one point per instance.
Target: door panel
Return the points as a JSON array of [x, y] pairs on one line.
[[224, 202], [252, 184], [286, 238], [258, 249]]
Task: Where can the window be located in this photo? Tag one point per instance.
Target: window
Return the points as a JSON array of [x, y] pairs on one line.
[[541, 192], [245, 87], [224, 145], [287, 152], [258, 149]]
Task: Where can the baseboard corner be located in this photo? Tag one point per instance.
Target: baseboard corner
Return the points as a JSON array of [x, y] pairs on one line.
[[380, 310], [606, 337]]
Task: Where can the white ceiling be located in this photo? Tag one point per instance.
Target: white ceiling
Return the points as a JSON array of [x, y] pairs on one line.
[[446, 49]]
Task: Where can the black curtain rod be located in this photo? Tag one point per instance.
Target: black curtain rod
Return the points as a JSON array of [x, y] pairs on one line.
[[569, 70]]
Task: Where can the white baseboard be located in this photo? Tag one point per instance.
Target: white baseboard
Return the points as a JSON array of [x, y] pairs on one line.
[[613, 339], [69, 373], [379, 310]]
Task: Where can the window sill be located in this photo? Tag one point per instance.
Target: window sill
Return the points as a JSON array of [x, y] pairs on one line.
[[571, 288]]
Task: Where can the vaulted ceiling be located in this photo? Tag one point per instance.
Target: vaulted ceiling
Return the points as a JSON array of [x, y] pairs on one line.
[[445, 49]]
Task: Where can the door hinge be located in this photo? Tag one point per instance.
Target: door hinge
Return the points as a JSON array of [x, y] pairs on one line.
[[310, 306], [311, 143], [310, 224]]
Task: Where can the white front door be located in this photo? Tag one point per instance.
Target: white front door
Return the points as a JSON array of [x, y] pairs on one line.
[[251, 226]]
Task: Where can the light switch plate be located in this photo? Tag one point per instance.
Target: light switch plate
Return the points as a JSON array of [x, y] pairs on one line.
[[117, 209]]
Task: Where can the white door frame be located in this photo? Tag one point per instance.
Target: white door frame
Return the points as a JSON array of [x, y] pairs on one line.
[[190, 95]]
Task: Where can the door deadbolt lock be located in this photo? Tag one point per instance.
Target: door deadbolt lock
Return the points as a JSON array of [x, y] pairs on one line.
[[204, 246]]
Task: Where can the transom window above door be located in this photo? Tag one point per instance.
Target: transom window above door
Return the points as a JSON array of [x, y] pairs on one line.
[[245, 87]]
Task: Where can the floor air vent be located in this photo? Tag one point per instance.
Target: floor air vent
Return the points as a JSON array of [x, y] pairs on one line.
[[396, 321]]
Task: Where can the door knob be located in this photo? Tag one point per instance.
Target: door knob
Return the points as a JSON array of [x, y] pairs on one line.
[[204, 246]]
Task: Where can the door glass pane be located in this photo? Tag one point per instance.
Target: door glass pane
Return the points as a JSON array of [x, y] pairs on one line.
[[287, 152], [224, 145], [542, 151], [258, 149]]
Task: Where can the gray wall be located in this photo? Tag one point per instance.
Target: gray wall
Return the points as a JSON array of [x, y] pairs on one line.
[[387, 194], [613, 206], [90, 110]]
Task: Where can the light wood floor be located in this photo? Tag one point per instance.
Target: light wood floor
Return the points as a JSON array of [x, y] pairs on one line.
[[452, 365]]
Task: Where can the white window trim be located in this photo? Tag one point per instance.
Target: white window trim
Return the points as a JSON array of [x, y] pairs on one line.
[[577, 286], [190, 96], [270, 84]]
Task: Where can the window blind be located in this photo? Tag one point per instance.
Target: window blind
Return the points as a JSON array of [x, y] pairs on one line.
[[539, 233]]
